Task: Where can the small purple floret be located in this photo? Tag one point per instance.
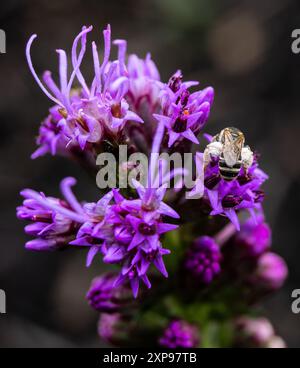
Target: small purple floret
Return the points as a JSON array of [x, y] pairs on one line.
[[180, 334], [203, 259]]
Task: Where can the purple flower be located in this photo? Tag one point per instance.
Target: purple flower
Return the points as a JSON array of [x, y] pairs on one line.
[[126, 235], [128, 232], [137, 263], [50, 138], [143, 78], [94, 219], [254, 238], [270, 273], [54, 221], [104, 297], [150, 201], [227, 198], [91, 113], [180, 334], [183, 113], [203, 259]]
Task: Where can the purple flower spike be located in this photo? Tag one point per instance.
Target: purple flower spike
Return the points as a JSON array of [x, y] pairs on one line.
[[203, 259], [123, 232], [180, 334], [54, 221], [128, 232]]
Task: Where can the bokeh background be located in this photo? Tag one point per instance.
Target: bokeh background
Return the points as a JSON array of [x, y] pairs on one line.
[[241, 48]]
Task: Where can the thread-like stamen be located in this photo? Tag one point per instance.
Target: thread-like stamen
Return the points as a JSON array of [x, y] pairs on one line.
[[76, 62], [82, 35], [63, 75], [110, 73], [29, 60], [48, 80], [107, 42], [155, 149], [122, 46], [65, 187], [29, 193], [96, 85]]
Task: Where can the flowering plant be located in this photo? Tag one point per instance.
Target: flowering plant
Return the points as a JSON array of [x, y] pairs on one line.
[[214, 247]]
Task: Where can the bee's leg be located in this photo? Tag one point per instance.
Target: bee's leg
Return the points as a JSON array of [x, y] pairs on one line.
[[206, 158], [247, 158], [213, 149]]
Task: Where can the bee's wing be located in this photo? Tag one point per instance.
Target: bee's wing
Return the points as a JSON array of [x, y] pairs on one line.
[[239, 144], [232, 148]]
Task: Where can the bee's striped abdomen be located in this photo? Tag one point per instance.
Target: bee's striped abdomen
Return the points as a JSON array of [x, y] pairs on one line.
[[229, 173]]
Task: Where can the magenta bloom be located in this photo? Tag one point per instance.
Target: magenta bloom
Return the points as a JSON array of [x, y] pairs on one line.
[[180, 334], [51, 139], [144, 86], [254, 237], [54, 221], [89, 114], [128, 231], [183, 113], [132, 228], [104, 297], [271, 272], [129, 236], [203, 259]]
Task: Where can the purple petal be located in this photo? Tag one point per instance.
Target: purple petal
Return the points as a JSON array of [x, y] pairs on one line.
[[146, 281], [91, 254], [134, 283], [114, 254], [164, 209], [41, 245], [65, 187], [136, 240], [82, 241], [163, 228], [213, 198], [164, 119], [139, 188], [135, 222], [190, 136], [130, 115], [143, 267], [159, 264], [172, 138], [231, 214]]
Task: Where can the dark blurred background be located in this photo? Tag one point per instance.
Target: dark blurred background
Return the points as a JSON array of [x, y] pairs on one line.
[[241, 48]]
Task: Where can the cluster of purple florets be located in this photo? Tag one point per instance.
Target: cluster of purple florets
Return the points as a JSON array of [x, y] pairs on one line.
[[203, 259], [127, 103]]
